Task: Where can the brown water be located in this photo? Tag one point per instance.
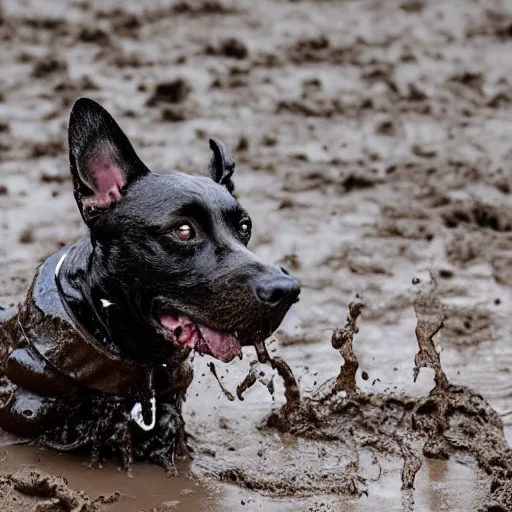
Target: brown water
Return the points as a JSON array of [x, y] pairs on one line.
[[378, 148], [440, 485], [147, 488]]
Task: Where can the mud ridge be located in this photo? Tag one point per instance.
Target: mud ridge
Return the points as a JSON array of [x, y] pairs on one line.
[[30, 489]]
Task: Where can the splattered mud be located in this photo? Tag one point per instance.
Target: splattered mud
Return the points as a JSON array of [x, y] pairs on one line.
[[373, 144], [450, 420]]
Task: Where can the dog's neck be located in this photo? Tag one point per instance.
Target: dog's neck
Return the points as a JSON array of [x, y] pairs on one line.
[[103, 308]]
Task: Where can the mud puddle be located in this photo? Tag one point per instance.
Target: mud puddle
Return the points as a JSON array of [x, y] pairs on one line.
[[146, 488]]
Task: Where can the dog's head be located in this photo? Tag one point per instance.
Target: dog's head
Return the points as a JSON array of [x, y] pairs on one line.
[[170, 250]]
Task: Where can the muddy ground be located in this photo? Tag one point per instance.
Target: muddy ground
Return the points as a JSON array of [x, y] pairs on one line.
[[373, 146]]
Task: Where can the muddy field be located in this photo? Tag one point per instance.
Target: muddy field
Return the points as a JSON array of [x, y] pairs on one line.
[[373, 146]]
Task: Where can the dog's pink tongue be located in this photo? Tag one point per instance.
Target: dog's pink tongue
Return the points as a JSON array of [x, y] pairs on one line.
[[222, 346]]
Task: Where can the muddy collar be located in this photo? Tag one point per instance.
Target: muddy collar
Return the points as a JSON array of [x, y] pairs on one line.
[[136, 413], [63, 342]]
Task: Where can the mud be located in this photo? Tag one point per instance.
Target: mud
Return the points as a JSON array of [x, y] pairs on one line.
[[226, 392], [292, 392], [450, 419], [342, 340], [373, 144], [33, 490]]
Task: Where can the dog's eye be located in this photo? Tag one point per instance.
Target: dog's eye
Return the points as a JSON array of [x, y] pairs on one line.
[[245, 227], [185, 232]]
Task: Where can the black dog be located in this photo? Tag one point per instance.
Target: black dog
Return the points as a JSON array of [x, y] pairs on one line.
[[97, 356]]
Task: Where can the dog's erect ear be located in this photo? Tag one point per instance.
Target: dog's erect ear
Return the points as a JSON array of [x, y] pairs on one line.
[[102, 159], [222, 165]]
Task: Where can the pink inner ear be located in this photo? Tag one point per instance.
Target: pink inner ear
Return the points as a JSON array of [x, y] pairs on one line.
[[106, 181]]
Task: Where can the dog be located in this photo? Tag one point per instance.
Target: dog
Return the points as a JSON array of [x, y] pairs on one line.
[[97, 357]]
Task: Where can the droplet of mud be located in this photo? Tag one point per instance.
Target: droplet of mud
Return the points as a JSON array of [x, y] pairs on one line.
[[364, 375], [416, 280]]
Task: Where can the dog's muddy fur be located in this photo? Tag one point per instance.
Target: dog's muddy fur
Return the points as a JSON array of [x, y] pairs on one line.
[[74, 364], [372, 141]]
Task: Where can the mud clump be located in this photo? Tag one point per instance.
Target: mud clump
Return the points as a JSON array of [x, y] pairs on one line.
[[413, 6], [318, 107], [46, 177], [47, 66], [203, 7], [29, 489], [311, 49], [502, 269], [27, 236], [249, 381], [232, 47], [477, 214], [94, 35], [175, 114], [357, 181], [412, 464], [175, 91], [50, 149]]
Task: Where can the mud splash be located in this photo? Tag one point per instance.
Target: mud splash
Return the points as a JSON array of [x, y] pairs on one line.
[[342, 340], [292, 392], [450, 420]]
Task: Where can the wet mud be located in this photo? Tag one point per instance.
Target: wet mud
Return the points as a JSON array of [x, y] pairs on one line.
[[451, 419], [372, 142], [33, 490]]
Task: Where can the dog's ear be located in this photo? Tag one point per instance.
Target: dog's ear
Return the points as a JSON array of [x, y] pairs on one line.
[[222, 165], [102, 159]]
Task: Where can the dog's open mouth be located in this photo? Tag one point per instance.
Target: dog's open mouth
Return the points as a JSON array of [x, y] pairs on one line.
[[185, 332]]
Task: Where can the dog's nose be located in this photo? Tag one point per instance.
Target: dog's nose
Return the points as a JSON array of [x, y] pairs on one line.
[[277, 290]]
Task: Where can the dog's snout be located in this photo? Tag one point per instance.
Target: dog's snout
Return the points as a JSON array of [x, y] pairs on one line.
[[277, 291]]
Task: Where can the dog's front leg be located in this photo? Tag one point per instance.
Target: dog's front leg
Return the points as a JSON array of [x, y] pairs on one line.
[[167, 440]]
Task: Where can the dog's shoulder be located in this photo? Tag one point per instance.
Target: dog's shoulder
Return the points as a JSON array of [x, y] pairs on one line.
[[45, 292]]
